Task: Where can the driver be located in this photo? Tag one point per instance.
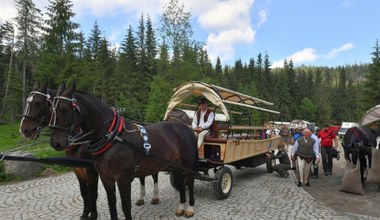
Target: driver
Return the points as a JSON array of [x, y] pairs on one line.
[[202, 121]]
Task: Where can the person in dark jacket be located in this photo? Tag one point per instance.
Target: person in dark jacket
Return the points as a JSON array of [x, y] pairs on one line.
[[284, 165]]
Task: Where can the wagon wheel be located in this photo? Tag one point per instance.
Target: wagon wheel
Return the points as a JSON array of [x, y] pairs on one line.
[[270, 165], [223, 183]]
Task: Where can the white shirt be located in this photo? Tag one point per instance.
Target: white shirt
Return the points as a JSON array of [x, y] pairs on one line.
[[203, 124]]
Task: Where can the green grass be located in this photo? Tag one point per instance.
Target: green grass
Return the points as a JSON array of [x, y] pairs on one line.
[[11, 140], [9, 137]]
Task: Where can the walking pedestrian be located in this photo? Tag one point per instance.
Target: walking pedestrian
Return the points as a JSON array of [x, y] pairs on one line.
[[304, 151], [328, 141]]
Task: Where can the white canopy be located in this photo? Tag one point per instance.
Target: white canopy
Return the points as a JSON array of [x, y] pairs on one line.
[[216, 95], [371, 115]]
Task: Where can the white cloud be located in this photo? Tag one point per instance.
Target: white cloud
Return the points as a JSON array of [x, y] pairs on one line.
[[228, 23], [335, 52], [226, 15], [263, 17], [222, 43], [300, 57]]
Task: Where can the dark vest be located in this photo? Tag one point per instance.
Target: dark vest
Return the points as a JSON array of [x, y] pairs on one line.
[[214, 128], [208, 111], [305, 150]]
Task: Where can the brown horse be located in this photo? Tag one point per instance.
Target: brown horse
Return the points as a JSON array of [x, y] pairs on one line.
[[36, 116], [122, 151]]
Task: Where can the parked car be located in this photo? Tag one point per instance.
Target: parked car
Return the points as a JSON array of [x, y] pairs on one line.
[[345, 126]]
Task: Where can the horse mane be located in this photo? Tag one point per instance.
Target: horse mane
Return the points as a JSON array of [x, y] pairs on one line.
[[92, 98]]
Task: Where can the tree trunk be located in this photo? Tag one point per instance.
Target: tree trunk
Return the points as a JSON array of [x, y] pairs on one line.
[[23, 84], [8, 81]]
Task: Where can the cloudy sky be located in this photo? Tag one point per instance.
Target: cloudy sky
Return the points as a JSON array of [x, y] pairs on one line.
[[310, 32]]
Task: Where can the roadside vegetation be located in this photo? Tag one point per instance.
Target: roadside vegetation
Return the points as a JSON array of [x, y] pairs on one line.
[[11, 140]]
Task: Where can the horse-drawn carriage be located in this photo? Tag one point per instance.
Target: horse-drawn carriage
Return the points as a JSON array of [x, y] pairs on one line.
[[235, 145], [120, 150]]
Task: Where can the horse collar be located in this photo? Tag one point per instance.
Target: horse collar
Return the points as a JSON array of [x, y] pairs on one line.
[[105, 143]]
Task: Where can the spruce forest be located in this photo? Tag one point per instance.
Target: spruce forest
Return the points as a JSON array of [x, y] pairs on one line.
[[153, 59]]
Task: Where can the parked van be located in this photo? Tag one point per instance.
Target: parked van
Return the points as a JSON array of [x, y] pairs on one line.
[[345, 126]]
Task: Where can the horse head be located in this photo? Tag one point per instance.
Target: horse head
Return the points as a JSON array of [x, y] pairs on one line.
[[64, 120], [37, 111]]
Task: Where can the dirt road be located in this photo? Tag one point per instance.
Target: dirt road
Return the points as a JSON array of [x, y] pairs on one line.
[[327, 190]]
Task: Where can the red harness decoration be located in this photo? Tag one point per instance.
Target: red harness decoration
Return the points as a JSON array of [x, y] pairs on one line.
[[115, 129]]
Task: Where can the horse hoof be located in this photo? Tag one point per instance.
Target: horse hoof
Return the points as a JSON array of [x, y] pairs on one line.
[[154, 201], [83, 217], [140, 202], [179, 212], [189, 213]]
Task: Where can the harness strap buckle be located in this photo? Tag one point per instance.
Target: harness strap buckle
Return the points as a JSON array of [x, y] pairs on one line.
[[144, 136]]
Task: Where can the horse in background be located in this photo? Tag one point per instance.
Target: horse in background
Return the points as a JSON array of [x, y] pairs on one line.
[[357, 144], [120, 149]]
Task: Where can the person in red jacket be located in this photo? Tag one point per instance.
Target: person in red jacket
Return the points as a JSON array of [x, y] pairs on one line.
[[328, 141]]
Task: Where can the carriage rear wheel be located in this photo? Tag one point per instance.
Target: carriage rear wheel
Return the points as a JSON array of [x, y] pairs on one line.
[[223, 183]]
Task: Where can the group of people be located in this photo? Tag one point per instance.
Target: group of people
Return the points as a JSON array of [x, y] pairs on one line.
[[307, 150]]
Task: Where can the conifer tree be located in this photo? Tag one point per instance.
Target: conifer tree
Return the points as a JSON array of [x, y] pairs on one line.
[[371, 88], [60, 40], [28, 19], [151, 48]]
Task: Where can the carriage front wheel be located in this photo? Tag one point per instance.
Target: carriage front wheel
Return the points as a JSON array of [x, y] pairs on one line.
[[223, 183]]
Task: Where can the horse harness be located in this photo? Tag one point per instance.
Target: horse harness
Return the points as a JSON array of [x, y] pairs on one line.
[[113, 134], [98, 147], [360, 134]]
